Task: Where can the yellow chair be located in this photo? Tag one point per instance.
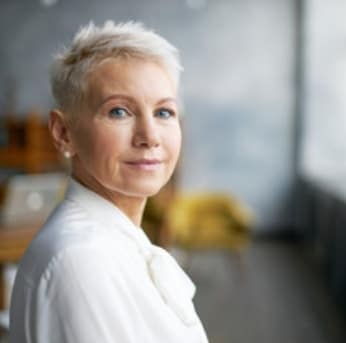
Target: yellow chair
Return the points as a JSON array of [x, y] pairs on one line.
[[208, 220]]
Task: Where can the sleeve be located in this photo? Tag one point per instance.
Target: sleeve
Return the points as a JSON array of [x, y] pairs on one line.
[[80, 301]]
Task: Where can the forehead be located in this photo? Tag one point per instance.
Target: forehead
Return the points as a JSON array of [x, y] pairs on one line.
[[142, 80]]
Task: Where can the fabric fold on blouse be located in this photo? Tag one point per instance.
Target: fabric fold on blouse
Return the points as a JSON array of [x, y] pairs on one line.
[[173, 284]]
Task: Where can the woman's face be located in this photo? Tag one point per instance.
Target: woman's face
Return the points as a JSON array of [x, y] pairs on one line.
[[128, 139]]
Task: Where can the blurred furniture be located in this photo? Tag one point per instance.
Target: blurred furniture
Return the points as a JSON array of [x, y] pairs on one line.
[[197, 220], [26, 145], [27, 201], [30, 196], [209, 220], [13, 242]]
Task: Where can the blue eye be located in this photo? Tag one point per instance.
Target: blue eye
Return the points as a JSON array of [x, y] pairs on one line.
[[164, 114], [118, 112]]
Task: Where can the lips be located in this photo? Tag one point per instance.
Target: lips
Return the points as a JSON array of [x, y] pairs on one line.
[[144, 164]]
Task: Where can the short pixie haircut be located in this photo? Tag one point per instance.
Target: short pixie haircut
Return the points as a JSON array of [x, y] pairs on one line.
[[92, 45]]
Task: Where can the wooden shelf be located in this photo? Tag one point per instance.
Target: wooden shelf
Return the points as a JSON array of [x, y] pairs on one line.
[[13, 242]]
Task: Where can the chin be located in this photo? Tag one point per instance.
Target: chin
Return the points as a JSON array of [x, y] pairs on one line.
[[145, 190]]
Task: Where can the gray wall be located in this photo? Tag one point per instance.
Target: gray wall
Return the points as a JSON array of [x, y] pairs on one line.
[[238, 85], [324, 149]]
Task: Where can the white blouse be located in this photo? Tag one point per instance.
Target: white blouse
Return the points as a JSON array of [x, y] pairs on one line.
[[91, 275]]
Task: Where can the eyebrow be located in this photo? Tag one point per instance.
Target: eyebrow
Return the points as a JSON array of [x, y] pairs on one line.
[[132, 99], [168, 99]]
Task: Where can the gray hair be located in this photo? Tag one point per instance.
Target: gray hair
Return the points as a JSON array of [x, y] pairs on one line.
[[92, 45]]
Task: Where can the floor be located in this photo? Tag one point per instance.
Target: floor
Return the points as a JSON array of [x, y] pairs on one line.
[[271, 294]]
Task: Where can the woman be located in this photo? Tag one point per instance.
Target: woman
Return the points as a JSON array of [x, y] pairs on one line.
[[91, 274]]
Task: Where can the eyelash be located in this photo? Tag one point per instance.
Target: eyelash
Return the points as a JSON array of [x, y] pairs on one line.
[[171, 112], [127, 112], [118, 108]]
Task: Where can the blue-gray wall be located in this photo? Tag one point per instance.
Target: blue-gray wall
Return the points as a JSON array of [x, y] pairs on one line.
[[238, 84], [323, 156]]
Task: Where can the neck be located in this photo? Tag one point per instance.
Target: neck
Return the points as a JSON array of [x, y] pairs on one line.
[[132, 207]]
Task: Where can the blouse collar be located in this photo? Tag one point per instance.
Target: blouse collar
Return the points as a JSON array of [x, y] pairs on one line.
[[101, 209], [173, 284]]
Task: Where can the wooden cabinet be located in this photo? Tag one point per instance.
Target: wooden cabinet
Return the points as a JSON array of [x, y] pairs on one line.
[[26, 145]]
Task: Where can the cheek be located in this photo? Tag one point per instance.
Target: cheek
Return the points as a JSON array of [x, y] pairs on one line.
[[86, 144], [173, 141], [97, 143]]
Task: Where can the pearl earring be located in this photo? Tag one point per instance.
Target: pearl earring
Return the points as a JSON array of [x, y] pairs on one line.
[[67, 154]]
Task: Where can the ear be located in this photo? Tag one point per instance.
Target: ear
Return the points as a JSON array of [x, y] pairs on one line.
[[60, 131]]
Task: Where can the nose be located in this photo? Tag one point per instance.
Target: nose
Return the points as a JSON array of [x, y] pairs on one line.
[[146, 133]]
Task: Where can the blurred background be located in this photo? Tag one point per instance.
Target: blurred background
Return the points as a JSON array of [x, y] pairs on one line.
[[256, 212]]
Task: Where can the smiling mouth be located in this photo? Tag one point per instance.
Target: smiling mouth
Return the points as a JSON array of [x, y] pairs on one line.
[[144, 164]]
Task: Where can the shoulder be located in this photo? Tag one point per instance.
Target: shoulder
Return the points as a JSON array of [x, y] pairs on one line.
[[89, 274], [77, 266], [69, 237], [75, 292]]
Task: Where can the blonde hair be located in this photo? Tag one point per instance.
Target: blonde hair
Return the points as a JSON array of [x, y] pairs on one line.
[[92, 45]]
